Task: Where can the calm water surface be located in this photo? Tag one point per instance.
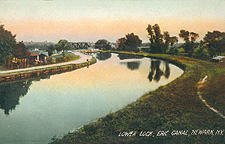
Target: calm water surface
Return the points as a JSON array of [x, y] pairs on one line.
[[34, 111]]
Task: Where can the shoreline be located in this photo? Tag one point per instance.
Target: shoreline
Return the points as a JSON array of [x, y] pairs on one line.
[[174, 106], [46, 70]]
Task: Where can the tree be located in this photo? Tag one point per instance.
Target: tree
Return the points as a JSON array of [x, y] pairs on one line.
[[7, 42], [103, 44], [173, 40], [166, 37], [50, 49], [20, 51], [156, 39], [215, 42], [201, 53], [188, 46], [130, 42], [62, 45], [11, 93], [169, 41]]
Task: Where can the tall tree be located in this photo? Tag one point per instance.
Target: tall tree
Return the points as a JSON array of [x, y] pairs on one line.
[[188, 45], [166, 37], [50, 49], [215, 42], [20, 51], [129, 43], [62, 45], [7, 42], [169, 41], [173, 40], [155, 38]]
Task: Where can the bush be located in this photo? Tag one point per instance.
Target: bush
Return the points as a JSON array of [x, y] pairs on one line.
[[173, 51], [201, 53]]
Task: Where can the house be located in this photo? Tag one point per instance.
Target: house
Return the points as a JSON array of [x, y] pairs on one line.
[[219, 59], [38, 56]]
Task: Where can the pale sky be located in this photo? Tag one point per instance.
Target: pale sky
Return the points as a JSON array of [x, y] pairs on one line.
[[90, 20]]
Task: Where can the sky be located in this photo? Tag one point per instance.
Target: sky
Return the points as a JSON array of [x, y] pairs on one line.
[[90, 20]]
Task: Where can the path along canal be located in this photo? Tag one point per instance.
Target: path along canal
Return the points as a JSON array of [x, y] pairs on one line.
[[33, 111]]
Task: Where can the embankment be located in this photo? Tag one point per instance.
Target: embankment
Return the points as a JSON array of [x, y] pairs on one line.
[[173, 107], [37, 72]]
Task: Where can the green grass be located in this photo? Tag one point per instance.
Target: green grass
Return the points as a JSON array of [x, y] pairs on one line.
[[71, 57], [175, 106]]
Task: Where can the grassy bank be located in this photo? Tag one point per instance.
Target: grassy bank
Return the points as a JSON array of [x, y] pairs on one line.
[[175, 106]]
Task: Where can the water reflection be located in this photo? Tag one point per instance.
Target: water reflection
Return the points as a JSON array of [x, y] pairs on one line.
[[103, 56], [134, 65], [10, 94], [69, 100], [127, 56], [156, 72]]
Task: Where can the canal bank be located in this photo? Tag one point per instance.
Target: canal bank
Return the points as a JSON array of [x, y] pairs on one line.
[[174, 106], [46, 70]]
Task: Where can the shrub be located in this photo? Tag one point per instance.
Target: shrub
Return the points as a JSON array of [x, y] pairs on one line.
[[201, 53]]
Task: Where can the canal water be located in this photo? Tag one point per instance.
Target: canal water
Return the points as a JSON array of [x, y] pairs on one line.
[[34, 111]]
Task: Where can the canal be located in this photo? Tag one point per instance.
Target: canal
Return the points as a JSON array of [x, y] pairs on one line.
[[34, 111]]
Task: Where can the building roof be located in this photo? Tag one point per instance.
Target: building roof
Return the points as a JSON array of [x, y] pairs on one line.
[[33, 54], [36, 53]]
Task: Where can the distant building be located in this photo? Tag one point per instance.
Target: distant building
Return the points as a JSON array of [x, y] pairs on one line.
[[38, 56], [219, 59]]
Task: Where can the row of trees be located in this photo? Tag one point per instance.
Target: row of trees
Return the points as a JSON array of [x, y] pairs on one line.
[[212, 44], [159, 43], [12, 52]]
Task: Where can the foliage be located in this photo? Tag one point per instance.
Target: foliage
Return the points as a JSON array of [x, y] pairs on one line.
[[173, 40], [188, 46], [173, 51], [159, 43], [155, 38], [201, 53], [50, 49], [130, 42], [62, 45], [20, 51], [103, 44], [7, 42], [215, 42]]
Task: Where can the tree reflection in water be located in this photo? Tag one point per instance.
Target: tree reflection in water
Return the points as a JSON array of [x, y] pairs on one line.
[[134, 65], [128, 56], [156, 72], [10, 94], [103, 56]]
